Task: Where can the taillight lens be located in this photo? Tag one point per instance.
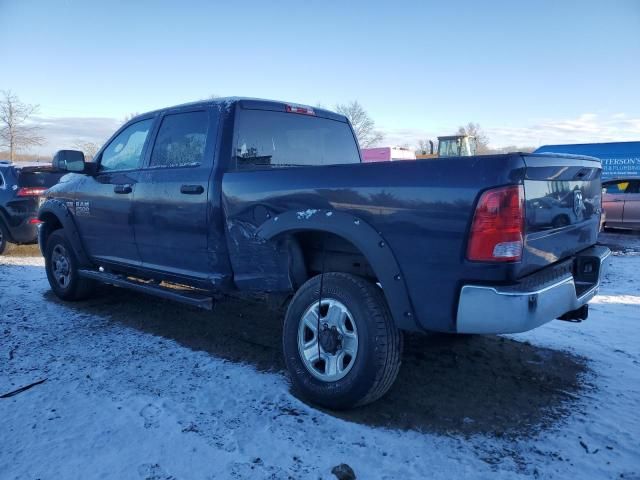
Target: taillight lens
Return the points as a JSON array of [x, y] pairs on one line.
[[31, 191], [498, 224]]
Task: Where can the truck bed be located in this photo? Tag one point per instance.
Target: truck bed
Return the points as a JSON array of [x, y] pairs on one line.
[[423, 209]]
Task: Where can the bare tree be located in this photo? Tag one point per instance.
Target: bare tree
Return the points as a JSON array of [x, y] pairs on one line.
[[362, 123], [88, 148], [130, 116], [15, 131], [475, 130], [424, 147]]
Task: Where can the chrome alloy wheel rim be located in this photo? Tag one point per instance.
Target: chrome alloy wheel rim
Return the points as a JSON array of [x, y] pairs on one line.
[[61, 266], [328, 353]]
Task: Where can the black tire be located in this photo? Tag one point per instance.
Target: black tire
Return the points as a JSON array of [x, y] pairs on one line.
[[73, 287], [379, 348], [3, 238]]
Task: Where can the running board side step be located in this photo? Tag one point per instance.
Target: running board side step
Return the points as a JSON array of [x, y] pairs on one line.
[[194, 299]]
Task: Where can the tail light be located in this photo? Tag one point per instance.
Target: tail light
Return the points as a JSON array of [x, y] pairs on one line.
[[498, 224], [31, 191]]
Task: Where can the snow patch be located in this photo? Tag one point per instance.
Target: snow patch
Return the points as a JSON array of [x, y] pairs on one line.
[[306, 214]]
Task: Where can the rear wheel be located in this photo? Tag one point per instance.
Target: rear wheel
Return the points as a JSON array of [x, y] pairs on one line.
[[343, 350], [61, 266]]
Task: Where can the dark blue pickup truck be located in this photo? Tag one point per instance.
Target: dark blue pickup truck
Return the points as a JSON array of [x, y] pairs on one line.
[[252, 195]]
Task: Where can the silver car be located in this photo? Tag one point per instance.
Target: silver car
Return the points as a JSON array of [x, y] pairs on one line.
[[621, 203]]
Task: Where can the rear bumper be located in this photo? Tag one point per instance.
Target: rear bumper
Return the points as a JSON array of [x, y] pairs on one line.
[[511, 309]]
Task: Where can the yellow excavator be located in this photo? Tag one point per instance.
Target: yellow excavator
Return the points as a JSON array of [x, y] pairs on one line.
[[452, 146]]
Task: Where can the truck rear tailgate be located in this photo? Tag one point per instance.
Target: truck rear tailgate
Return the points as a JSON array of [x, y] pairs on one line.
[[562, 208]]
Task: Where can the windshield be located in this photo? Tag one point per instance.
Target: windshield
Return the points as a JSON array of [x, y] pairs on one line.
[[457, 147], [449, 147]]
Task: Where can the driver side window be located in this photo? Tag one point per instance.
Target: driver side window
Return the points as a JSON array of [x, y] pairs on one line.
[[124, 151]]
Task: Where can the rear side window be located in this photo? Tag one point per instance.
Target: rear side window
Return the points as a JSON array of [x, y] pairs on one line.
[[124, 151], [181, 140], [277, 139]]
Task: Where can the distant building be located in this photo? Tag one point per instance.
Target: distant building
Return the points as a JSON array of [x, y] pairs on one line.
[[387, 154]]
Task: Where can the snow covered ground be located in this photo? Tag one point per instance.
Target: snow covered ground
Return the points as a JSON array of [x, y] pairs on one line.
[[144, 389]]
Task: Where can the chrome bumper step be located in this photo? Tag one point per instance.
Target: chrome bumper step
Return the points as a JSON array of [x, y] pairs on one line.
[[487, 309]]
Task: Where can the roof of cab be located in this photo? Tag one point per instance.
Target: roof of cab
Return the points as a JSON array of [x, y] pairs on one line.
[[247, 103]]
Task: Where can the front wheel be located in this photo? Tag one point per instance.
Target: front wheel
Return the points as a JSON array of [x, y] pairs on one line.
[[61, 266], [342, 350]]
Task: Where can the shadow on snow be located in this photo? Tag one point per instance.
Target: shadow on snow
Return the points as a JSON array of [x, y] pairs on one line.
[[448, 384]]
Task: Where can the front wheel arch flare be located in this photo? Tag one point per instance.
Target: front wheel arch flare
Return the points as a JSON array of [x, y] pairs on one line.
[[56, 214], [366, 239]]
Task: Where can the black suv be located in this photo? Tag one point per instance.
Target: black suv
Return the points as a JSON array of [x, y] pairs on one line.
[[21, 191]]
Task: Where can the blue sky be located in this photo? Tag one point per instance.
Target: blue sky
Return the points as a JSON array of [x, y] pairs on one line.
[[528, 72]]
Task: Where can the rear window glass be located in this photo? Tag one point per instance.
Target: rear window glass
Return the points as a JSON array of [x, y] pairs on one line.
[[277, 139], [38, 179]]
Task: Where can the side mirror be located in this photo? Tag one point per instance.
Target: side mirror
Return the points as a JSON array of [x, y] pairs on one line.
[[69, 161]]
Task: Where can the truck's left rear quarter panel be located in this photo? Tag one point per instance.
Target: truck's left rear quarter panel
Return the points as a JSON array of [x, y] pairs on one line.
[[422, 209]]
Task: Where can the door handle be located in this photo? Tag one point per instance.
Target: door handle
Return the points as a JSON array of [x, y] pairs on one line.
[[122, 189], [192, 189]]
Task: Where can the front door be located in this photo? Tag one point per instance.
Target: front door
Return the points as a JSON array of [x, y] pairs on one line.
[[103, 205], [173, 226]]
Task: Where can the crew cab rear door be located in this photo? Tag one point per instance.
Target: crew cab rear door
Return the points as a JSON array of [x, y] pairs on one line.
[[171, 200]]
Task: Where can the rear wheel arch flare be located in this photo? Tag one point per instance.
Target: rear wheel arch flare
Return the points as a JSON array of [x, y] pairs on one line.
[[364, 238]]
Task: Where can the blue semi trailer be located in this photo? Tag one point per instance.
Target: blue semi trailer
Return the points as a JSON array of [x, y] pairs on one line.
[[619, 159]]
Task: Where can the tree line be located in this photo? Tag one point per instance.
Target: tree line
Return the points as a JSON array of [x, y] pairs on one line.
[[18, 132]]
